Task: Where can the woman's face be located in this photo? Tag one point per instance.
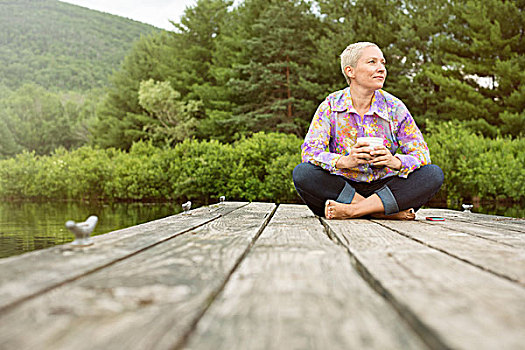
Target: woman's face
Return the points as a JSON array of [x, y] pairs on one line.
[[370, 70]]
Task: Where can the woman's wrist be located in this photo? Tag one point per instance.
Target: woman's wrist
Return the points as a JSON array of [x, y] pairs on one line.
[[340, 163], [344, 162], [396, 163]]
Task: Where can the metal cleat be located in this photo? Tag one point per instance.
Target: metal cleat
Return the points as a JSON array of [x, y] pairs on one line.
[[467, 207], [186, 207], [82, 231]]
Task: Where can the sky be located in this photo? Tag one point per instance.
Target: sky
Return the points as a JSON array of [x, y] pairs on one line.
[[154, 12]]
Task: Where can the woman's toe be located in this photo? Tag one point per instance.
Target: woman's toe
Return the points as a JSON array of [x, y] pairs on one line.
[[328, 210]]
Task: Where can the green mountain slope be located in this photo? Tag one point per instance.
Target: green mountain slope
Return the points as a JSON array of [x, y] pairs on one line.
[[62, 46]]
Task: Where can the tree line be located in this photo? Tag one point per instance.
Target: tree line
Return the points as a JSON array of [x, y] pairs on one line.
[[265, 65], [229, 71]]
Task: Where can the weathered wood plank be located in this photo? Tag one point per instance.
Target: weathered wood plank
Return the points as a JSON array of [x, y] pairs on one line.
[[457, 304], [29, 274], [147, 301], [500, 222], [468, 224], [296, 289], [498, 258]]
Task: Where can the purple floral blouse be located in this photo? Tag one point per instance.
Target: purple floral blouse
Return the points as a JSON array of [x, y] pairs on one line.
[[337, 125]]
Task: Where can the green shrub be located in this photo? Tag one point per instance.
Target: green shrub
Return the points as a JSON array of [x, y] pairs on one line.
[[258, 168], [255, 161], [200, 170], [18, 175], [278, 184], [89, 170], [476, 166], [140, 174]]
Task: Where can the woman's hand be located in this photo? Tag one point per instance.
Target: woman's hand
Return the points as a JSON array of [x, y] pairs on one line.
[[382, 157], [359, 154]]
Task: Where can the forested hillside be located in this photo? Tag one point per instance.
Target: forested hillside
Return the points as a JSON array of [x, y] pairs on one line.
[[55, 62], [62, 46]]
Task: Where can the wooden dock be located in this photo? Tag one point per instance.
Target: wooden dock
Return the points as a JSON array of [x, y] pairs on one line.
[[266, 276]]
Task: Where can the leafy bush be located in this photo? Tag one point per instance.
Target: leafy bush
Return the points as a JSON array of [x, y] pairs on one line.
[[256, 158], [138, 175], [475, 166], [258, 168], [200, 170], [18, 175]]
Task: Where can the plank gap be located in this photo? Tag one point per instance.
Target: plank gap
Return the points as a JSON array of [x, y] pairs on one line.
[[427, 335], [185, 338]]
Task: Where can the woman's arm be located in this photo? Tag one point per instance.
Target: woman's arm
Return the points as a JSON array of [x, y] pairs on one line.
[[315, 147], [413, 150]]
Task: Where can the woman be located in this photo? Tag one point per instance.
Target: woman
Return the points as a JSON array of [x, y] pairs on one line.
[[341, 178]]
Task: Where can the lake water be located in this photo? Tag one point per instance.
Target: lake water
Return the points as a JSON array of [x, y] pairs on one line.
[[30, 226]]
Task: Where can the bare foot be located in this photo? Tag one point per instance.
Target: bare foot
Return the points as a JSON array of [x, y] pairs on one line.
[[336, 210], [408, 214]]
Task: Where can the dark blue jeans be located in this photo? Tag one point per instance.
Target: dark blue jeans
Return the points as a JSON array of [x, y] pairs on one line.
[[316, 185]]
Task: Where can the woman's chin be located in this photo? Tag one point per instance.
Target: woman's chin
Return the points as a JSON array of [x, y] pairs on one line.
[[379, 84]]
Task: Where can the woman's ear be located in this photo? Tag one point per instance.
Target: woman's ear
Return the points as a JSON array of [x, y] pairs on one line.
[[349, 71]]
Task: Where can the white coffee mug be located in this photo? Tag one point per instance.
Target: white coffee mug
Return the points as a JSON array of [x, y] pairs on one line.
[[372, 141]]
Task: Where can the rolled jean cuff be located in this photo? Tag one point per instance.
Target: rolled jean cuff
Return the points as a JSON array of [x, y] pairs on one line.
[[346, 195], [389, 202]]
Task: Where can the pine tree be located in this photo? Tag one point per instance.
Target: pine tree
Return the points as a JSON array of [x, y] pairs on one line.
[[479, 74], [420, 22], [272, 86], [182, 58], [194, 44], [377, 21], [401, 28], [120, 118]]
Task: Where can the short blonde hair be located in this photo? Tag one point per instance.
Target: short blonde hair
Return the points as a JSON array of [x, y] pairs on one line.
[[351, 55]]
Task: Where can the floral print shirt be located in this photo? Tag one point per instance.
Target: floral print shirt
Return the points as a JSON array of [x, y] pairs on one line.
[[337, 125]]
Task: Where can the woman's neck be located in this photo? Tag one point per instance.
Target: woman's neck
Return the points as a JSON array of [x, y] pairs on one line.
[[361, 99]]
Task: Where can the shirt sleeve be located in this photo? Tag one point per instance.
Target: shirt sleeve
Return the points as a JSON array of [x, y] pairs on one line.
[[413, 150], [315, 148]]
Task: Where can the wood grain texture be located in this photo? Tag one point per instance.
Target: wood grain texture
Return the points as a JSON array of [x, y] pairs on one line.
[[148, 301], [494, 221], [296, 289], [456, 304], [455, 239], [29, 274], [492, 228]]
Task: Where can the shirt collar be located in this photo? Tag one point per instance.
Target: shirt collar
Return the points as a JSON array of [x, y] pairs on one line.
[[343, 102]]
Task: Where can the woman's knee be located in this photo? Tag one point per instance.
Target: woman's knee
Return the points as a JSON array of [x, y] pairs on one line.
[[434, 175], [302, 173]]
